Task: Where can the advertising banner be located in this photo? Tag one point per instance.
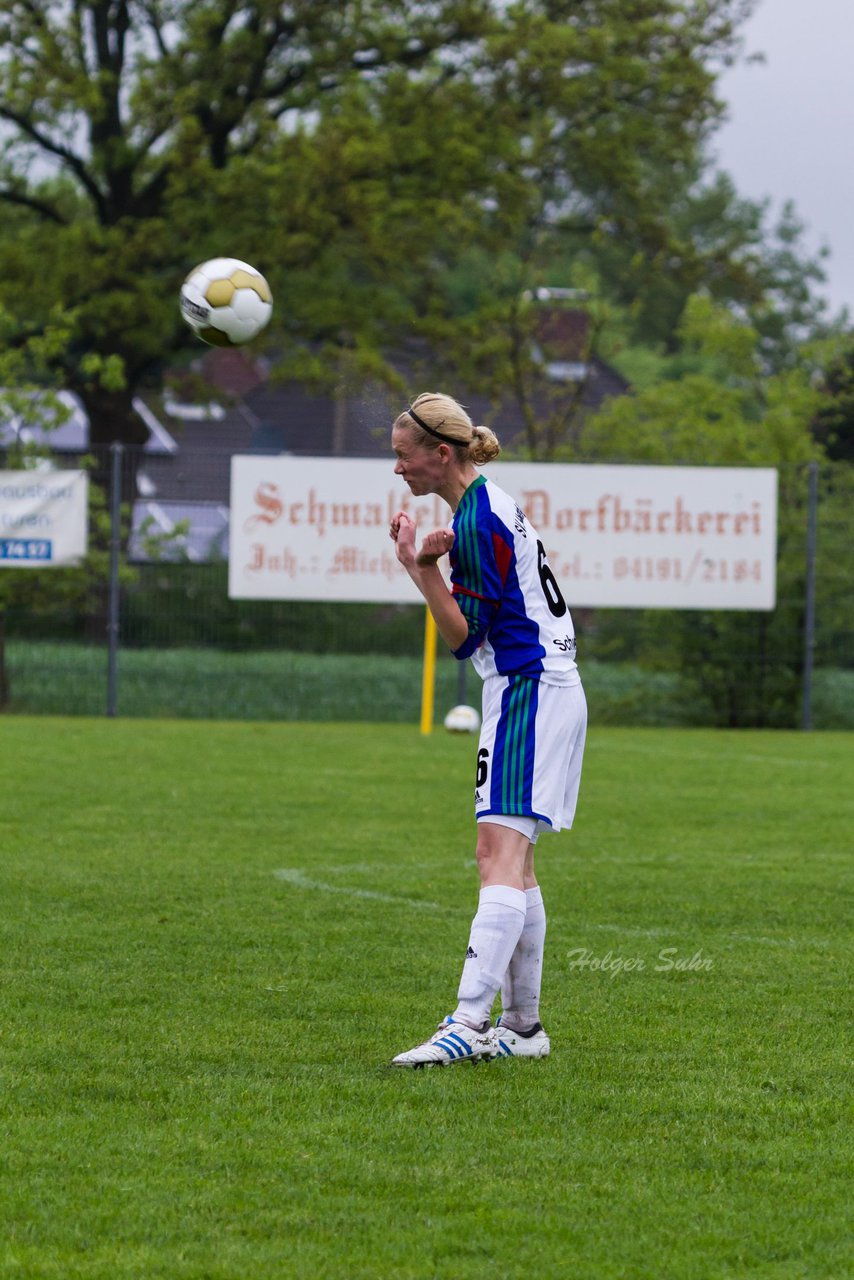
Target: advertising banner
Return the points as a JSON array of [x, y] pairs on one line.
[[43, 518], [617, 537]]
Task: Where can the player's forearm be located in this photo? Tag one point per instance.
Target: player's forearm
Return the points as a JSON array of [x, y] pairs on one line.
[[448, 616]]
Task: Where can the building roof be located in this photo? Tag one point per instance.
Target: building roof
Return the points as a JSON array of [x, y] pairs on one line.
[[58, 420]]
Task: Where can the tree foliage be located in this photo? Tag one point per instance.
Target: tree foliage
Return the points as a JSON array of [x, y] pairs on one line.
[[726, 410], [732, 249], [833, 424], [723, 410], [351, 149]]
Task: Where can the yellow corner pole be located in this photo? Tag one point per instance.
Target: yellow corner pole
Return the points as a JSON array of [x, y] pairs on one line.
[[428, 675]]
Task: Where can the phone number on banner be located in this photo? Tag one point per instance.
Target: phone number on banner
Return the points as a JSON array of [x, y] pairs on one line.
[[699, 567], [26, 549], [705, 568]]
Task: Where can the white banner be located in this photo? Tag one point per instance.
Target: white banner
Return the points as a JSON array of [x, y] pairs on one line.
[[43, 518], [618, 537]]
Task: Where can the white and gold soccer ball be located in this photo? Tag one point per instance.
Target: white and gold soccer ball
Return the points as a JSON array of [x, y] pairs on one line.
[[226, 302]]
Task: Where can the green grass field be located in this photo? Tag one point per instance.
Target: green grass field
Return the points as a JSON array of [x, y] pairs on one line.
[[215, 935]]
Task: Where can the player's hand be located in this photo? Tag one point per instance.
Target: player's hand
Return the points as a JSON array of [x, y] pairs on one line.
[[435, 545], [402, 533]]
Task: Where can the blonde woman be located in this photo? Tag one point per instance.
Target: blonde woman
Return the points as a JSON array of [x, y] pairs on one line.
[[506, 612]]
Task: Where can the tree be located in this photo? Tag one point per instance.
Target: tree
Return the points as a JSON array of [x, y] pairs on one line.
[[715, 242], [150, 117], [745, 668], [730, 248], [833, 425], [358, 146]]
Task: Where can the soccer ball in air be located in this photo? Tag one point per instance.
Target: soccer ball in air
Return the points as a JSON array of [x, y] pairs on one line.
[[226, 302], [462, 720]]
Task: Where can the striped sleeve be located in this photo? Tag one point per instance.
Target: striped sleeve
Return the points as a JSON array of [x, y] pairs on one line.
[[480, 559]]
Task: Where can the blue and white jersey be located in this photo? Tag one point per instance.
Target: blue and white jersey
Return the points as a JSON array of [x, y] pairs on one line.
[[518, 620]]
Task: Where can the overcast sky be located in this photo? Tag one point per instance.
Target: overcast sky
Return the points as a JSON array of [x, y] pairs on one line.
[[790, 133]]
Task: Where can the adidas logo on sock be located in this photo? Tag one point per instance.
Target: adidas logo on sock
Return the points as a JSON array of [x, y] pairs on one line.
[[471, 954]]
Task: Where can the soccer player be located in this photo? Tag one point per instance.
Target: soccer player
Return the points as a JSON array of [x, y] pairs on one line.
[[505, 610]]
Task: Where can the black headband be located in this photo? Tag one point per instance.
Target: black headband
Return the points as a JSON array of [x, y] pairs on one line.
[[432, 430]]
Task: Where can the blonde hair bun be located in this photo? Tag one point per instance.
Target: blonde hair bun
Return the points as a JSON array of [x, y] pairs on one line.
[[484, 446]]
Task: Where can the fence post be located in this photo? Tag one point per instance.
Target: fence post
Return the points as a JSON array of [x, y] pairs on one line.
[[809, 595], [116, 452]]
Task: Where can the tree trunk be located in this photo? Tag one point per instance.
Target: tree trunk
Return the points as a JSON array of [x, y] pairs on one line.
[[112, 417]]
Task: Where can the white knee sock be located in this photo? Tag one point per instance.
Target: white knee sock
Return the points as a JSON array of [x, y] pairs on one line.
[[520, 989], [494, 934]]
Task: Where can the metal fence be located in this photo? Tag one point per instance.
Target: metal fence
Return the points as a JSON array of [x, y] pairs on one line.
[[146, 628]]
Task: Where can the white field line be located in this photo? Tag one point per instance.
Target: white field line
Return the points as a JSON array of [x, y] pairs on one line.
[[734, 937], [293, 875], [296, 877]]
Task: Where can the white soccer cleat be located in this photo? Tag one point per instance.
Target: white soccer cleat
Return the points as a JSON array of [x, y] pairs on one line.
[[453, 1042], [522, 1044]]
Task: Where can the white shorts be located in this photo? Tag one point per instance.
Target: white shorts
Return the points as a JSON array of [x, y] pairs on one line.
[[530, 753]]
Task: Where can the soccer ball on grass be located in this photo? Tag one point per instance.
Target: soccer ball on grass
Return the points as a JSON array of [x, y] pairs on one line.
[[226, 302], [462, 719]]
